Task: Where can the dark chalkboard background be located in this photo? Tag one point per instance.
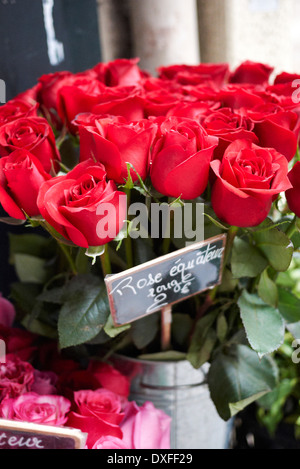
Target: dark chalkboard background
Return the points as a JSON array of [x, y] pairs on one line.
[[134, 293], [24, 58]]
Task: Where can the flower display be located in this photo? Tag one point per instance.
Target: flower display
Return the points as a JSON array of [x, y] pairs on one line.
[[80, 155]]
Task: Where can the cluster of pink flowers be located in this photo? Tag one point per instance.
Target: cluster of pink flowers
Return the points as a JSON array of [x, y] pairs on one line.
[[92, 399], [186, 128]]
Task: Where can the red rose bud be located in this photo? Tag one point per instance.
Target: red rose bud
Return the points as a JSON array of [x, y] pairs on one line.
[[125, 101], [247, 181], [251, 73], [21, 176], [293, 195], [82, 206], [33, 134], [79, 95], [114, 142], [196, 74], [181, 158]]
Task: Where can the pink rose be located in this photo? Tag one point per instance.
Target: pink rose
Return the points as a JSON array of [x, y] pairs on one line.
[[16, 377], [44, 383], [145, 427], [7, 312], [31, 407], [110, 442], [19, 342]]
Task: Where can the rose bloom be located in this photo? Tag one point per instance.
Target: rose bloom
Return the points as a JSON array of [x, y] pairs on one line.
[[19, 342], [247, 180], [196, 74], [98, 413], [80, 95], [275, 128], [114, 142], [31, 407], [7, 312], [21, 176], [72, 205], [44, 383], [120, 72], [181, 157], [16, 377], [145, 427], [228, 126], [109, 378], [15, 109], [293, 195], [33, 134], [125, 101], [251, 73], [110, 442]]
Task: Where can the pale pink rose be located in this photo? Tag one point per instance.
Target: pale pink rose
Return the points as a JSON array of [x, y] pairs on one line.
[[110, 442], [7, 312], [44, 382], [145, 427], [31, 407]]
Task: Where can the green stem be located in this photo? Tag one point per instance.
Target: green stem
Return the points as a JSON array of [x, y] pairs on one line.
[[69, 258], [105, 262], [232, 232], [128, 241]]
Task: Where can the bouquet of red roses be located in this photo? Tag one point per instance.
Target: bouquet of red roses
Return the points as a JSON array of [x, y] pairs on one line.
[[78, 150]]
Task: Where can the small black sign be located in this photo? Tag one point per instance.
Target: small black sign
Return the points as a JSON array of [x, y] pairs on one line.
[[26, 435], [167, 280]]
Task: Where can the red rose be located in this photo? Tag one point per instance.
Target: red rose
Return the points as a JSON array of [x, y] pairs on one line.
[[121, 72], [29, 96], [276, 128], [21, 176], [80, 95], [16, 377], [159, 102], [247, 180], [121, 101], [293, 195], [239, 98], [48, 92], [228, 126], [33, 134], [251, 73], [98, 413], [196, 74], [15, 109], [19, 342], [181, 158], [72, 205], [109, 378], [114, 142], [196, 110]]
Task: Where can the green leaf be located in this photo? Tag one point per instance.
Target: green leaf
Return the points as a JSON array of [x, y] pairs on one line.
[[12, 221], [85, 311], [111, 330], [275, 245], [24, 295], [216, 222], [267, 290], [246, 260], [144, 330], [288, 305], [203, 340], [263, 324], [30, 244], [222, 327], [237, 378], [181, 328], [30, 269]]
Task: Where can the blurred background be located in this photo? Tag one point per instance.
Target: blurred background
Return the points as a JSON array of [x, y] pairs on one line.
[[45, 36]]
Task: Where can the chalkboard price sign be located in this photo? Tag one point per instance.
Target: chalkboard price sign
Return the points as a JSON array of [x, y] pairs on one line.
[[26, 435], [153, 286]]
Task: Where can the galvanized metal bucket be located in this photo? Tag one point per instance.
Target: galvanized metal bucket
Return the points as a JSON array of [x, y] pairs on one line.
[[181, 392]]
